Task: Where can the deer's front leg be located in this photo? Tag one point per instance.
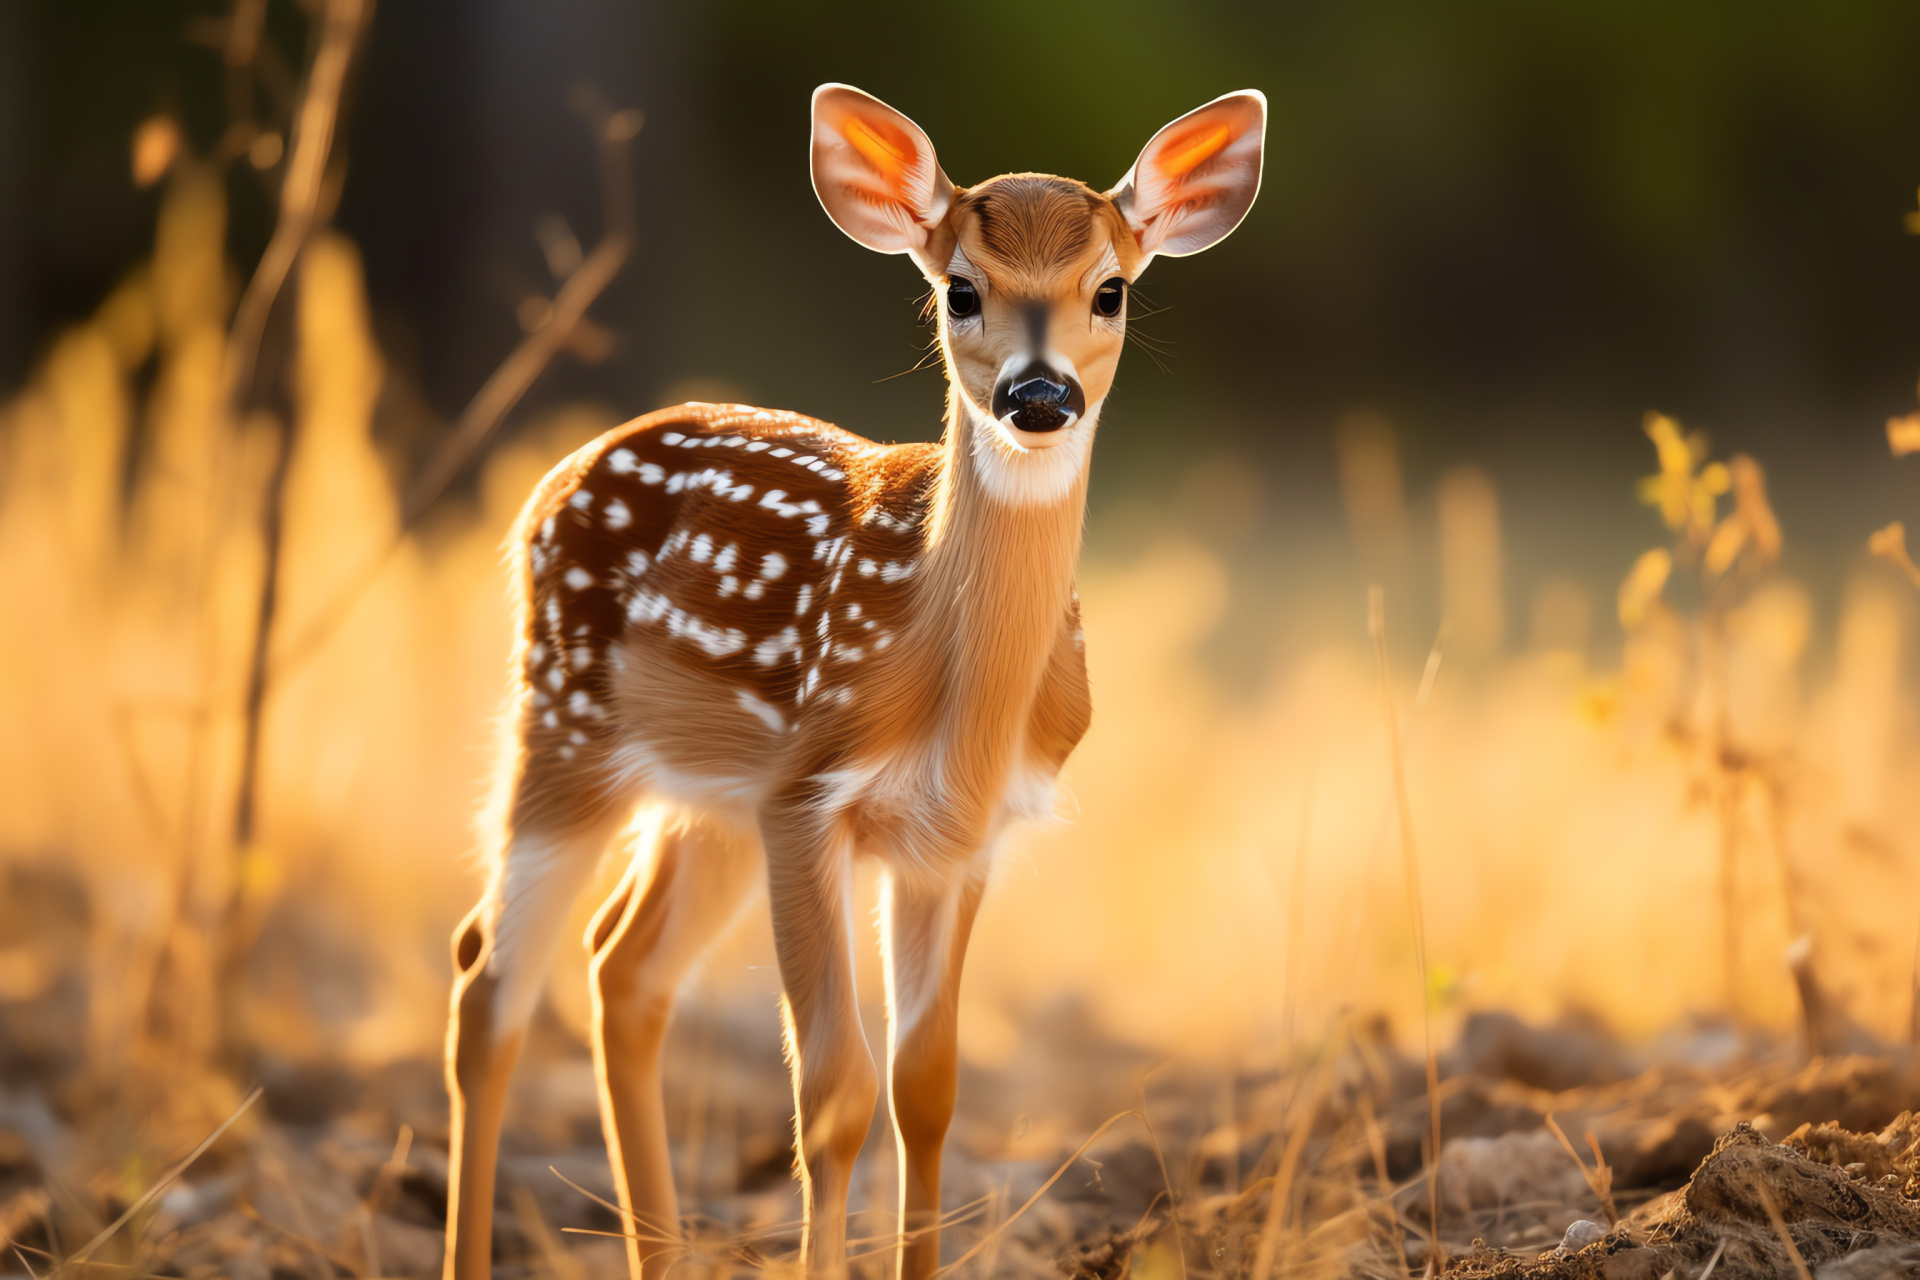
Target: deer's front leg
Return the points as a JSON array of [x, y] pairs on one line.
[[925, 940], [834, 1083]]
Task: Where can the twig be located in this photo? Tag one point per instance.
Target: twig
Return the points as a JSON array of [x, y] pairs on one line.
[[159, 1188], [1780, 1229], [1714, 1261], [1410, 857], [509, 382], [314, 129]]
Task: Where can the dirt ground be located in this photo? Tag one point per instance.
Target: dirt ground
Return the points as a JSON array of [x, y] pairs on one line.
[[1725, 1153]]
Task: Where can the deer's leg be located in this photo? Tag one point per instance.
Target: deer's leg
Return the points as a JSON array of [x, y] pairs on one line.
[[834, 1083], [924, 936], [644, 941], [500, 953]]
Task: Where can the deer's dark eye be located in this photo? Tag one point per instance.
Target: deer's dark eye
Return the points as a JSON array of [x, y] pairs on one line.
[[962, 300], [1110, 297]]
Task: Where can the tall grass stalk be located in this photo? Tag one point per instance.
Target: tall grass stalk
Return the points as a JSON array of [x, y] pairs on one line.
[[1410, 860]]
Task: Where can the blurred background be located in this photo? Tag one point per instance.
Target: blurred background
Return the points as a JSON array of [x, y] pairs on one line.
[[1493, 237]]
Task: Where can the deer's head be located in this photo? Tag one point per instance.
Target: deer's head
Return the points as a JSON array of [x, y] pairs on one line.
[[1032, 271]]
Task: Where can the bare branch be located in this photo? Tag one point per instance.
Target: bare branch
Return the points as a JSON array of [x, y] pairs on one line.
[[613, 130]]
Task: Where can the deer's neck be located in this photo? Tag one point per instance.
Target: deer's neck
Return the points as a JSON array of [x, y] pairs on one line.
[[1002, 547]]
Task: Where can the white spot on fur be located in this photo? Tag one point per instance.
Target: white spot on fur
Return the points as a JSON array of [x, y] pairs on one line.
[[755, 446], [652, 473], [617, 515], [580, 500], [638, 562], [724, 562], [817, 525], [755, 589], [868, 568], [702, 549], [806, 599], [896, 570], [672, 437], [556, 678], [729, 585], [579, 579], [622, 461], [783, 453], [768, 716], [773, 566], [778, 645], [580, 657], [775, 501]]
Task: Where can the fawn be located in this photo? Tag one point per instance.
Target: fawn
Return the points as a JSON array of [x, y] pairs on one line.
[[813, 647]]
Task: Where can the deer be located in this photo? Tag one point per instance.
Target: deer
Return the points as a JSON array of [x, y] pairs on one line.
[[808, 648]]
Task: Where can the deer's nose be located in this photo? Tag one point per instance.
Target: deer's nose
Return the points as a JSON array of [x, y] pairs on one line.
[[1038, 398]]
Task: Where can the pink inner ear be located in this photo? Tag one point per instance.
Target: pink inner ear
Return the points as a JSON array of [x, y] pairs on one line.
[[1181, 156], [887, 150]]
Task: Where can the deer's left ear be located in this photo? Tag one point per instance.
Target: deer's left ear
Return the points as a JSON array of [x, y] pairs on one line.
[[875, 171], [1197, 178]]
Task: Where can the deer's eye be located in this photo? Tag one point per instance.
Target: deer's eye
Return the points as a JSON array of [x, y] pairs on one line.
[[1110, 297], [962, 300]]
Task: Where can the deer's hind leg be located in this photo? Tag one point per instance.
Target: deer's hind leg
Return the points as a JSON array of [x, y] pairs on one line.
[[501, 953], [650, 933]]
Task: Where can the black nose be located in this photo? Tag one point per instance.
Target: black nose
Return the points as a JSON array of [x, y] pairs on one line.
[[1039, 391], [1038, 399]]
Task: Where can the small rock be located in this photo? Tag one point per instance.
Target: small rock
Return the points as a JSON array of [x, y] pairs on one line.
[[1581, 1234]]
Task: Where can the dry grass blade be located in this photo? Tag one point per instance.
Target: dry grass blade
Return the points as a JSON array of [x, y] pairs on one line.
[[622, 1214], [159, 1188], [1045, 1187], [1410, 859], [1599, 1177], [1160, 1158], [563, 1265], [1283, 1177], [1780, 1229], [1714, 1261]]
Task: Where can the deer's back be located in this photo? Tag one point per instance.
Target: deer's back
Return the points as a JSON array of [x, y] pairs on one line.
[[699, 582]]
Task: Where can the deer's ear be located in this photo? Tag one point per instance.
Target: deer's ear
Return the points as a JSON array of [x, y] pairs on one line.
[[875, 171], [1197, 178]]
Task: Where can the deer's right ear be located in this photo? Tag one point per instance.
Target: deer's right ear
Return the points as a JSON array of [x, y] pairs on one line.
[[875, 171]]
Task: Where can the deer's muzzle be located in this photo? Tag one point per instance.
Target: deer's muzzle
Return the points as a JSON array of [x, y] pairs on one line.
[[1038, 399]]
